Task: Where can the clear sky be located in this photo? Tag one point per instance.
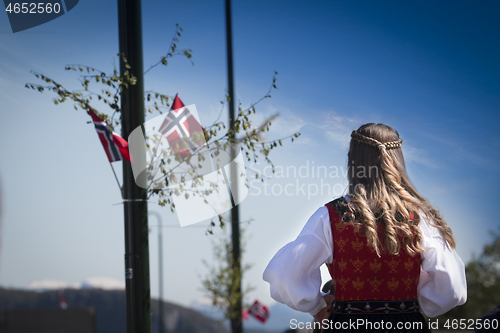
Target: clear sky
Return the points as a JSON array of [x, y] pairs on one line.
[[429, 69]]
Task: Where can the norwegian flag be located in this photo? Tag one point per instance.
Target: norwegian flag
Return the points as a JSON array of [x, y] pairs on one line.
[[115, 146], [259, 311], [184, 133]]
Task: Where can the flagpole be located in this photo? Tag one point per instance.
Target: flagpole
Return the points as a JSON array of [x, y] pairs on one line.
[[236, 307], [121, 190], [137, 285]]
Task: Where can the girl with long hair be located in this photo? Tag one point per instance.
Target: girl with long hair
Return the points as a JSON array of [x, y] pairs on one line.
[[388, 250]]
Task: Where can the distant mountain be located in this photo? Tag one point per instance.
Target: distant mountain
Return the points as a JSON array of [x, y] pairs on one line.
[[109, 306], [106, 283]]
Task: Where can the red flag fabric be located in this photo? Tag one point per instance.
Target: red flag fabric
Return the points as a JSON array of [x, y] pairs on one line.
[[115, 146], [259, 311], [244, 314], [177, 104], [184, 133]]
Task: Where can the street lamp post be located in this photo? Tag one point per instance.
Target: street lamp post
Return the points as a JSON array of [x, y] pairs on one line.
[[236, 319], [137, 287]]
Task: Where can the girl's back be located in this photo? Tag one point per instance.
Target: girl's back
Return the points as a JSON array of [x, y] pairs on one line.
[[389, 252]]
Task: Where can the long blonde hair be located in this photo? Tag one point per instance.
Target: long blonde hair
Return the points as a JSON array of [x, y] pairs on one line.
[[381, 192]]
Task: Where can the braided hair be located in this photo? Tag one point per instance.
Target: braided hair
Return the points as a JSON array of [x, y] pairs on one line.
[[381, 192]]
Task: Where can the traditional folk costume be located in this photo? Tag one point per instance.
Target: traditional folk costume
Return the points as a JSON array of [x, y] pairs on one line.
[[389, 288]]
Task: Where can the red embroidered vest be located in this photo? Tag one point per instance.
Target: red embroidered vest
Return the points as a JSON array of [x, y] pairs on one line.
[[359, 274]]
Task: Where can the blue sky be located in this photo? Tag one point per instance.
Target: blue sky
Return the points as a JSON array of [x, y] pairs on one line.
[[428, 69]]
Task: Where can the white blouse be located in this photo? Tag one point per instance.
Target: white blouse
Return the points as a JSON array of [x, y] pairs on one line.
[[295, 278]]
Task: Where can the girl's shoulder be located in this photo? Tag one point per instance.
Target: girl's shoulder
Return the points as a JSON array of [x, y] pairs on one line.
[[341, 207], [339, 202]]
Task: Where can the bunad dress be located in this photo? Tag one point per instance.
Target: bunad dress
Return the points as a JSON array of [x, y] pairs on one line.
[[372, 293]]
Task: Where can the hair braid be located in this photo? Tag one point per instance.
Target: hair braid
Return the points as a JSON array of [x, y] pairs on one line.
[[389, 198], [375, 143]]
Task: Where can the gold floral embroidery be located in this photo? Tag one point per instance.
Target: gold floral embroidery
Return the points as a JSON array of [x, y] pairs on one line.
[[392, 265], [340, 227], [393, 284], [375, 284], [375, 266], [357, 245], [358, 264], [341, 243], [343, 282], [342, 264], [408, 264], [358, 284], [408, 283]]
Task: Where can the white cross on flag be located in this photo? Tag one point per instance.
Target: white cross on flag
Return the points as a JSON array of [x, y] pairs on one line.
[[184, 133], [259, 311], [213, 188]]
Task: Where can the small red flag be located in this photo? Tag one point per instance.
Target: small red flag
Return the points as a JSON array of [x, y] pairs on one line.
[[259, 311], [115, 146], [184, 133]]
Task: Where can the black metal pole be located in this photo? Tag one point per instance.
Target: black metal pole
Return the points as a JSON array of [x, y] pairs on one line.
[[236, 320], [138, 292]]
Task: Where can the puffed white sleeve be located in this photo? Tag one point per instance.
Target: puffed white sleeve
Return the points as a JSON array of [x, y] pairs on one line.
[[294, 272], [442, 284]]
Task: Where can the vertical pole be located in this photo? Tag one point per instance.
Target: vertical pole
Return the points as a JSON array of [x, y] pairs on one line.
[[160, 264], [138, 294], [236, 320], [114, 173], [160, 271]]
